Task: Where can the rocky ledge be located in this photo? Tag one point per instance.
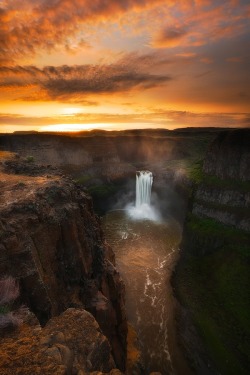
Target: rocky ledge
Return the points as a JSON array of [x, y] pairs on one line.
[[71, 343], [52, 243]]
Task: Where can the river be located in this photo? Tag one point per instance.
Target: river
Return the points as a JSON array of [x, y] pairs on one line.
[[146, 252]]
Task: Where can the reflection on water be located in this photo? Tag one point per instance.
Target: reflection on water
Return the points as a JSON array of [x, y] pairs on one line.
[[145, 252]]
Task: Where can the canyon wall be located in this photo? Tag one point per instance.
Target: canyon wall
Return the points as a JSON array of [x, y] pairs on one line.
[[223, 194], [229, 156], [52, 243], [212, 277], [61, 150]]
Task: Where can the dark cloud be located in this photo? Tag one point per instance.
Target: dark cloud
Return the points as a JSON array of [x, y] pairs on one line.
[[170, 37], [128, 73]]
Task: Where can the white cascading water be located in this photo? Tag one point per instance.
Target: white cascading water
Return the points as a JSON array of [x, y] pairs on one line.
[[144, 181], [143, 209]]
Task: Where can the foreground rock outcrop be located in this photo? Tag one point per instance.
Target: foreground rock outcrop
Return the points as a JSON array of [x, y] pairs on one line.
[[71, 343], [52, 243]]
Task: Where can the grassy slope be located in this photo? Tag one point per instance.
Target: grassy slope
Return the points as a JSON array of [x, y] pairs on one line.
[[215, 286]]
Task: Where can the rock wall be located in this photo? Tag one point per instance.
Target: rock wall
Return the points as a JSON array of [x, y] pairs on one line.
[[212, 276], [52, 242], [61, 150], [229, 155], [224, 192]]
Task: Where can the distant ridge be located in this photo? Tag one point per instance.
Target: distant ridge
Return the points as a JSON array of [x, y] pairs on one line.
[[25, 132]]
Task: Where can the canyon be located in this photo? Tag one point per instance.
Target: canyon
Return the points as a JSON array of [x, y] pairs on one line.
[[52, 242]]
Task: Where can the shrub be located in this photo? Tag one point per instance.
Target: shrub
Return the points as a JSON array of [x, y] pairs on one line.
[[30, 159]]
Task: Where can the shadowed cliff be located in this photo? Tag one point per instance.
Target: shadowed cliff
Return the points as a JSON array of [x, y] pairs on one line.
[[52, 243], [212, 277]]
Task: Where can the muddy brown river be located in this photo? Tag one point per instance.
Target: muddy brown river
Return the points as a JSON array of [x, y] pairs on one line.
[[146, 252]]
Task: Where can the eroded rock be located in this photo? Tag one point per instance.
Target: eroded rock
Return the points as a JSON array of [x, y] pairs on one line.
[[71, 343]]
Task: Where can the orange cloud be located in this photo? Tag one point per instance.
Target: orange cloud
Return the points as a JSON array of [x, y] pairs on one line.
[[201, 23], [27, 27]]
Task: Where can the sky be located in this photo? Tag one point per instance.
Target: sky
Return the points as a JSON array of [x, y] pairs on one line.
[[122, 64]]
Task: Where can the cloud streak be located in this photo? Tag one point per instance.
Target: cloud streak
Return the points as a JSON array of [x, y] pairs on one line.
[[57, 82], [165, 119]]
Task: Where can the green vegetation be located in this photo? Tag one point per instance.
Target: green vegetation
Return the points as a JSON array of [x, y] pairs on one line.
[[97, 190], [241, 212], [83, 179], [102, 191], [30, 159], [4, 309], [196, 174], [207, 227], [215, 288], [194, 149]]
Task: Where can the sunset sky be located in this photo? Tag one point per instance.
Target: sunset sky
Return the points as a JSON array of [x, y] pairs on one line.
[[122, 64]]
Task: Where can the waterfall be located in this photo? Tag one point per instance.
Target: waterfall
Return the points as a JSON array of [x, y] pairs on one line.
[[144, 181], [142, 209]]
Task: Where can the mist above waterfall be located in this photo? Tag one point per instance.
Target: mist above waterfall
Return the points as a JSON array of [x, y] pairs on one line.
[[143, 208]]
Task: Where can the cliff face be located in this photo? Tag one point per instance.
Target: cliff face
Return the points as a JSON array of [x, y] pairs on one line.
[[224, 191], [229, 156], [51, 241], [84, 151], [212, 277], [61, 150]]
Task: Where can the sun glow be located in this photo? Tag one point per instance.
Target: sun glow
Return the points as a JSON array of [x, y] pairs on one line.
[[69, 111], [75, 127]]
